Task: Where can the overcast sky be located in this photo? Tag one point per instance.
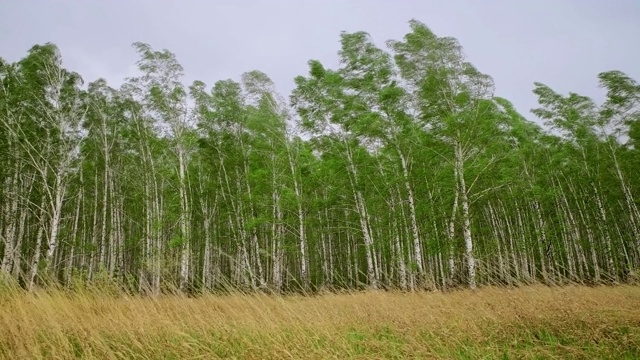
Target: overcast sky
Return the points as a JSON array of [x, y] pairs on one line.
[[562, 43]]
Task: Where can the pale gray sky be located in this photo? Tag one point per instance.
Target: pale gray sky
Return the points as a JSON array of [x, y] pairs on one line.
[[562, 43]]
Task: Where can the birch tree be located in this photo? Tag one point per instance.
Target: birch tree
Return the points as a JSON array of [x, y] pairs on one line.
[[452, 100], [166, 99]]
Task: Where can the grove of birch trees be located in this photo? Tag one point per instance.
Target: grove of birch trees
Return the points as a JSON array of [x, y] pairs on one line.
[[399, 169]]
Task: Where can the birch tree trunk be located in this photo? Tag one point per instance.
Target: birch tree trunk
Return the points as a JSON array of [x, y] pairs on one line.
[[417, 244], [10, 217], [185, 250], [466, 220], [35, 261], [364, 224]]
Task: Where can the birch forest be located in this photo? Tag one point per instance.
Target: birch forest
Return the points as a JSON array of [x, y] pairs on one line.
[[398, 169]]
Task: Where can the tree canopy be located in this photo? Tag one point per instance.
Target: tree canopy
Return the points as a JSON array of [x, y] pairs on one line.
[[399, 168]]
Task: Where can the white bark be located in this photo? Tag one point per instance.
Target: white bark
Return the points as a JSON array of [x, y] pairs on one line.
[[499, 235], [11, 217], [35, 261], [207, 215], [634, 212], [297, 188], [56, 216], [277, 251], [542, 241], [417, 245], [607, 238], [451, 231], [364, 224], [184, 220], [17, 255], [466, 220], [74, 237], [394, 233]]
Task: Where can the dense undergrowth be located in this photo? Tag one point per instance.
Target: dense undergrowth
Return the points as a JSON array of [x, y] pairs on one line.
[[521, 323]]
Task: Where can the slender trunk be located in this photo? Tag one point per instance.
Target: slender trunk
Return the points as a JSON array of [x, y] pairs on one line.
[[634, 212], [156, 230], [243, 272], [17, 253], [330, 241], [607, 237], [325, 262], [304, 257], [276, 246], [55, 219], [144, 281], [590, 237], [417, 245], [206, 260], [11, 216], [255, 245], [185, 251], [113, 232], [498, 234], [451, 232], [512, 248], [542, 241], [74, 237], [207, 217], [104, 245], [395, 234], [364, 224], [119, 237], [35, 261], [466, 220], [524, 260]]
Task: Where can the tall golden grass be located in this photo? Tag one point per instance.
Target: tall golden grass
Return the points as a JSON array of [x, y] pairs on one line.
[[528, 322]]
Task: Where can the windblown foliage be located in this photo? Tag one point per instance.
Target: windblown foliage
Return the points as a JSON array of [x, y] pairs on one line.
[[398, 169]]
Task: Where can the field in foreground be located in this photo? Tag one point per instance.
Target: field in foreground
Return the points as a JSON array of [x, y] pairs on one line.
[[529, 322]]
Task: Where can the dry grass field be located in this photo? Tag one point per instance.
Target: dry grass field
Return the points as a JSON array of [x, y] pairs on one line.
[[534, 322]]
